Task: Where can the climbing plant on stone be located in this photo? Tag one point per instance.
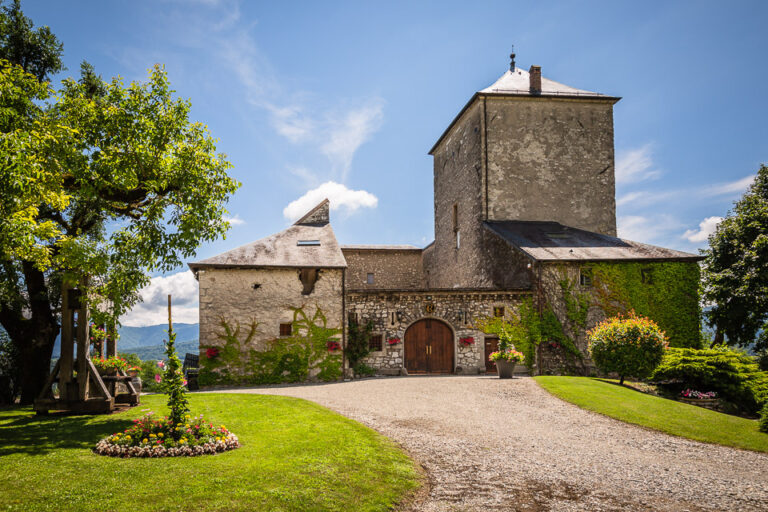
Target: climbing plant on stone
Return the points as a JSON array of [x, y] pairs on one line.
[[312, 351]]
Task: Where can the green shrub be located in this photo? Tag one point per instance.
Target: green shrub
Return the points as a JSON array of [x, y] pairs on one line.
[[734, 375], [363, 370], [763, 423], [629, 346]]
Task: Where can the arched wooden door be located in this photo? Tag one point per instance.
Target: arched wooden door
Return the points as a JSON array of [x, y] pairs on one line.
[[428, 347]]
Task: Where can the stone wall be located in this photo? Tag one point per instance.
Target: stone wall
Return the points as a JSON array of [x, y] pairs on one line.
[[233, 295], [391, 269], [458, 184], [393, 313], [551, 159]]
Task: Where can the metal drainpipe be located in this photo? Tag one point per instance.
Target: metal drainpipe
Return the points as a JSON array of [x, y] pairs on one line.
[[540, 308], [343, 323]]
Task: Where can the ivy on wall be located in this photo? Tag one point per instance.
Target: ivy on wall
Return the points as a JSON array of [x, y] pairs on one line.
[[308, 351], [666, 292]]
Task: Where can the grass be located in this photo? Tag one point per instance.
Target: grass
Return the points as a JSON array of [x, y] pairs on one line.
[[295, 455], [649, 411]]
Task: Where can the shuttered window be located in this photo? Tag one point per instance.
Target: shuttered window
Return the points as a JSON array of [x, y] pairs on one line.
[[376, 342], [286, 329]]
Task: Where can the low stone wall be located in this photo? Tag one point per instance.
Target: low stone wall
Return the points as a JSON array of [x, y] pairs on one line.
[[392, 312]]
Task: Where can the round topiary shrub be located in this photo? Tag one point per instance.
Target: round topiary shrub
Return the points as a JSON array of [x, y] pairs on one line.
[[630, 346]]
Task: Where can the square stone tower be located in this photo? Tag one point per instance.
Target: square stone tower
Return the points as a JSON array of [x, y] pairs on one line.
[[524, 149]]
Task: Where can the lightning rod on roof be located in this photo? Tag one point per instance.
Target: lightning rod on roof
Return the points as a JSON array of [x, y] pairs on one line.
[[512, 59]]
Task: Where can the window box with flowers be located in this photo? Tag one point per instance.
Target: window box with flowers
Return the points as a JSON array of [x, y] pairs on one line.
[[393, 341], [333, 346], [110, 365], [467, 341]]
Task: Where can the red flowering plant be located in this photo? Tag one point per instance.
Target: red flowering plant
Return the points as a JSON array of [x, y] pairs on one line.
[[211, 352], [629, 346], [467, 341], [698, 395], [150, 437], [333, 346], [110, 364], [393, 341]]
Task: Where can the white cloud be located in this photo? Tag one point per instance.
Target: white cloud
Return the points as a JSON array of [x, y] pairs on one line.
[[651, 229], [706, 228], [635, 165], [339, 195], [349, 131], [234, 221], [291, 123], [183, 289], [737, 187]]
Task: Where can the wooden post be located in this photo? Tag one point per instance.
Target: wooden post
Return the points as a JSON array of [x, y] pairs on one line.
[[67, 347], [111, 339], [83, 343]]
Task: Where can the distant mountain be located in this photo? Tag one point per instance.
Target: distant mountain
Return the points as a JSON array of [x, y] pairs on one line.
[[132, 338], [158, 351]]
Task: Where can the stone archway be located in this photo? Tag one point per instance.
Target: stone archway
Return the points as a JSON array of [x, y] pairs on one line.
[[429, 347]]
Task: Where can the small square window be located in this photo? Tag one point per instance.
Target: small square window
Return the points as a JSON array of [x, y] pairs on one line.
[[646, 276], [369, 278], [376, 342], [498, 311], [286, 329], [585, 277]]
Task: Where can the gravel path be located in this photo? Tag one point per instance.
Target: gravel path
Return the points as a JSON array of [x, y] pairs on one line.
[[491, 444]]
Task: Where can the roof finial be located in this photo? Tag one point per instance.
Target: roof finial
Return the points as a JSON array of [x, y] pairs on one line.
[[512, 59]]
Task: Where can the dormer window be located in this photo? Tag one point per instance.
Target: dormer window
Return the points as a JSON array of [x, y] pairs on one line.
[[305, 243]]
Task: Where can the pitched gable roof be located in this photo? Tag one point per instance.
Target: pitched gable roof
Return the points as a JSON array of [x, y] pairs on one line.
[[552, 241], [310, 242]]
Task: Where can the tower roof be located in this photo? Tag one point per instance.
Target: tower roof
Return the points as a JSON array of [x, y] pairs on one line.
[[518, 82]]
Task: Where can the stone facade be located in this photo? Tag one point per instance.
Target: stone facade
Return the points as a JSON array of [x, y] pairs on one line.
[[231, 294], [551, 159], [390, 268], [392, 313]]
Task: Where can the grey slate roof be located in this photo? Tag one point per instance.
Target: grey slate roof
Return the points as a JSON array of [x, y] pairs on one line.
[[282, 249], [551, 241]]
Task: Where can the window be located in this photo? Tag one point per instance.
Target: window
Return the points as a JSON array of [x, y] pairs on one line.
[[585, 277], [369, 278], [498, 311], [455, 216], [302, 243], [646, 276], [376, 342], [286, 329]]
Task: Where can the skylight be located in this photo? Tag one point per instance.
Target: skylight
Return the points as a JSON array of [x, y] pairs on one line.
[[308, 242]]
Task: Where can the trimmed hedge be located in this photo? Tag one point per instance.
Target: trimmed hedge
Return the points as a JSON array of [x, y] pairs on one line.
[[734, 375], [631, 346]]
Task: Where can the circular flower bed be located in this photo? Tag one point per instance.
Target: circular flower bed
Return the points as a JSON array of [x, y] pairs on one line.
[[148, 437]]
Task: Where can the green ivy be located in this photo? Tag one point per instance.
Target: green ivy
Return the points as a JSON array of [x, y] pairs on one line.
[[669, 295], [290, 359]]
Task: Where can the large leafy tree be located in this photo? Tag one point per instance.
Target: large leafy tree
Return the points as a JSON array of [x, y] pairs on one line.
[[736, 270], [104, 180]]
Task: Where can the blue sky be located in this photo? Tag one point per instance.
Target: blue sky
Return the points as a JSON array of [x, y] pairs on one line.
[[346, 98]]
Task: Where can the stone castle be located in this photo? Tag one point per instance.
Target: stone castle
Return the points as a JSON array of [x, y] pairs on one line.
[[525, 213]]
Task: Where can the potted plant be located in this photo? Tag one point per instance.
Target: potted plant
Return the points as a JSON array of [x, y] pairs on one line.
[[505, 360]]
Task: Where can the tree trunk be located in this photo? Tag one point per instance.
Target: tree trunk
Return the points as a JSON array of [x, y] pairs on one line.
[[719, 338], [33, 332], [621, 380]]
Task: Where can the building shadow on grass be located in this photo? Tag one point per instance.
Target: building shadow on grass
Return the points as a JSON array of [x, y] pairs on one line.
[[21, 431]]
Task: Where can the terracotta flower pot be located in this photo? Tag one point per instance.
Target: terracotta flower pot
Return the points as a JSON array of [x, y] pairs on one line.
[[505, 369]]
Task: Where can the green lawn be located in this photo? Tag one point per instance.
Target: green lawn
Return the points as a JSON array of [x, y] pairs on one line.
[[669, 416], [295, 455]]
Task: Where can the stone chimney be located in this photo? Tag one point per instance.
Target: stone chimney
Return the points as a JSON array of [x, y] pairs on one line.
[[535, 77]]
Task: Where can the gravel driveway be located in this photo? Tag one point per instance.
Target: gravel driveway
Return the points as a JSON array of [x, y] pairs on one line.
[[490, 444]]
